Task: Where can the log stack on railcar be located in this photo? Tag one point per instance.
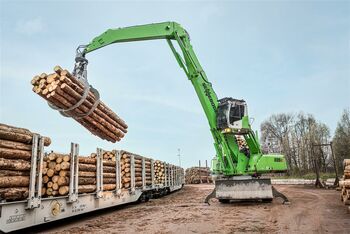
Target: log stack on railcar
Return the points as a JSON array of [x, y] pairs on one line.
[[16, 147], [39, 184]]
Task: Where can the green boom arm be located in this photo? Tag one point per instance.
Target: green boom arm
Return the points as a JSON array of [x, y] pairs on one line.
[[230, 160]]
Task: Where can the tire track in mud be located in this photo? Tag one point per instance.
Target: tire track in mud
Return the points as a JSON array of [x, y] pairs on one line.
[[311, 210]]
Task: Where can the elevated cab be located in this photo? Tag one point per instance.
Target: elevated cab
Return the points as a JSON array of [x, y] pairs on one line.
[[232, 115]]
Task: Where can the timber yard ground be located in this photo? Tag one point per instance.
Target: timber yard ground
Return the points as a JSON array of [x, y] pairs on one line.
[[311, 211]]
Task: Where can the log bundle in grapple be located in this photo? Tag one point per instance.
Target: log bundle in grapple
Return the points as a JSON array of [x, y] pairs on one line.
[[345, 183], [75, 99], [15, 161], [196, 175]]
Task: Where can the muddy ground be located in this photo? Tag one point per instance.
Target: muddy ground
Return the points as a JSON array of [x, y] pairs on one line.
[[311, 211]]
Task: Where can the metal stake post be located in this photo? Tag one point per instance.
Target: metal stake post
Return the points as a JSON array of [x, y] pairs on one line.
[[74, 170], [118, 175], [143, 173], [132, 167], [152, 172], [35, 179], [99, 173], [165, 174]]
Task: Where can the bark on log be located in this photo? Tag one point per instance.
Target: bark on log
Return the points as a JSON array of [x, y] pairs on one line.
[[84, 109], [14, 181], [92, 174], [85, 124], [19, 165], [92, 188], [15, 145], [86, 188], [13, 173], [93, 118], [86, 160], [101, 106], [14, 193], [19, 135], [90, 180], [64, 90], [92, 168]]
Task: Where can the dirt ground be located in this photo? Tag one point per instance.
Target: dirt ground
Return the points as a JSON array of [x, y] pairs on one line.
[[311, 211]]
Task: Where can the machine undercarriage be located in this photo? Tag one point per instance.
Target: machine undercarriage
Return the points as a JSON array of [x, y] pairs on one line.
[[244, 188]]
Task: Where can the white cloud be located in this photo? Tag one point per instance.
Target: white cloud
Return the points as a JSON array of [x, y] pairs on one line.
[[30, 26]]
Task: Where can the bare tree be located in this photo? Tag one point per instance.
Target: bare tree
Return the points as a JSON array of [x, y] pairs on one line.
[[294, 135], [341, 139]]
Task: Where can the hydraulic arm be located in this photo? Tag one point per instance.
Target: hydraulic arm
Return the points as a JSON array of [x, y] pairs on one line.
[[228, 118]]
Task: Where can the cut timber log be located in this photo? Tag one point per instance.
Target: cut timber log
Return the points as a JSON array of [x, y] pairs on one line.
[[87, 160], [19, 135], [14, 193], [14, 181], [92, 168], [19, 165], [15, 154], [92, 174], [13, 173], [15, 145], [86, 188]]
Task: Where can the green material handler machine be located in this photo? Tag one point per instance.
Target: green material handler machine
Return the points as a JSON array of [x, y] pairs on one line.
[[236, 167]]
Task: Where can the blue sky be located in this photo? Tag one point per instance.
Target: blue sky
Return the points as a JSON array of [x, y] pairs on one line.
[[279, 56]]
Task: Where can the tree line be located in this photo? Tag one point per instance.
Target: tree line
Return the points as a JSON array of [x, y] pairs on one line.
[[307, 143]]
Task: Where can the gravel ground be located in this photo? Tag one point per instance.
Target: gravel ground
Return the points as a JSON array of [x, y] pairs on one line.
[[311, 211]]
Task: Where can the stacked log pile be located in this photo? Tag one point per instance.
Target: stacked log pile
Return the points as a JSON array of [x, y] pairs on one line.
[[63, 90], [196, 175], [15, 161], [159, 175], [345, 183], [56, 172], [107, 155], [125, 163]]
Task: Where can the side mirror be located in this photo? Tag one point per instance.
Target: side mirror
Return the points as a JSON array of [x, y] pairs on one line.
[[251, 121]]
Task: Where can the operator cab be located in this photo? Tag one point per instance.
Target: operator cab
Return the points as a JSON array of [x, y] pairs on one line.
[[230, 113]]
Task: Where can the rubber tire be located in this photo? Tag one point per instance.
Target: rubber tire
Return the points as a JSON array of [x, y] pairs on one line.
[[267, 200]]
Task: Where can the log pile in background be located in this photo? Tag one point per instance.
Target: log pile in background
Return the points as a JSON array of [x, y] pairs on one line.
[[196, 175], [15, 161], [125, 163], [63, 90], [159, 173], [345, 183], [56, 172], [241, 142]]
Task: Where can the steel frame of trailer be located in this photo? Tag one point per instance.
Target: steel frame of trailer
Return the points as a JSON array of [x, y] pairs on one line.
[[36, 210]]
